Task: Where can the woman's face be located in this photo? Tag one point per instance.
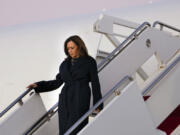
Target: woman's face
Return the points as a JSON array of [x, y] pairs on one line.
[[73, 50]]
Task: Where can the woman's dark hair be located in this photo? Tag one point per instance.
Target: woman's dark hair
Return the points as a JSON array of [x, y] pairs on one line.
[[80, 44]]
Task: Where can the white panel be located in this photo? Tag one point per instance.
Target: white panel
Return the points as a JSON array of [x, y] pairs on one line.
[[51, 127], [126, 114], [163, 43], [136, 54], [126, 63], [166, 96], [23, 118]]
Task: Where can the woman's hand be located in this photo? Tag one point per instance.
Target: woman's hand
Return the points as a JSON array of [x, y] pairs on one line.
[[32, 86], [97, 111]]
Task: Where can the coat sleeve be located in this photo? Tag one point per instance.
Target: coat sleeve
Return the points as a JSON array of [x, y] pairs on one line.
[[45, 86], [96, 91]]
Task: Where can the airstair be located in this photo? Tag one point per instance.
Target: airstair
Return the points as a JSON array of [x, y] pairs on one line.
[[139, 84]]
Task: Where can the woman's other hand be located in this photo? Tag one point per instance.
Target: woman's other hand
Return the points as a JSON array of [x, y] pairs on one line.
[[96, 111], [32, 86]]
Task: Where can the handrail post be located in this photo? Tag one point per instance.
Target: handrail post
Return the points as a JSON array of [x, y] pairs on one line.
[[149, 87], [19, 99], [165, 25]]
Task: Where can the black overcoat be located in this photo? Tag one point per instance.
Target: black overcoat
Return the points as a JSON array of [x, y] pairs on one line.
[[74, 99]]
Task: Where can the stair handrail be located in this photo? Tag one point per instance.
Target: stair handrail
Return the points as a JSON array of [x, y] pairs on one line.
[[19, 99], [147, 89], [42, 120], [166, 25], [131, 37], [161, 76], [75, 125]]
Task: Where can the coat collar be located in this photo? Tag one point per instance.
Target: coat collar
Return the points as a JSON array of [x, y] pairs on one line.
[[78, 63]]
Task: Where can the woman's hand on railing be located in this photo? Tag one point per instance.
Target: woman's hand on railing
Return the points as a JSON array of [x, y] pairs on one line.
[[95, 112], [32, 86]]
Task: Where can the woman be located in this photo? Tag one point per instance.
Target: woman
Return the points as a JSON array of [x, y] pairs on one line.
[[76, 71]]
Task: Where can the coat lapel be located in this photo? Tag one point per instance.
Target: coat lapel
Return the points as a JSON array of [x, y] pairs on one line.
[[67, 70], [79, 63], [70, 71]]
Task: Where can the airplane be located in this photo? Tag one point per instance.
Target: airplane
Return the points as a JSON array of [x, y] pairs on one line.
[[33, 52]]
